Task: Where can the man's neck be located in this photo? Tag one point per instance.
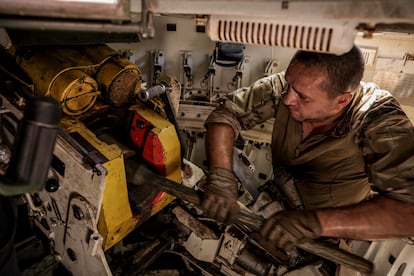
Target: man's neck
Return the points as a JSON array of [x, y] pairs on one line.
[[310, 128]]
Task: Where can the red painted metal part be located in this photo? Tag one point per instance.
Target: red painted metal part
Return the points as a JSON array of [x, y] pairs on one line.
[[150, 147]]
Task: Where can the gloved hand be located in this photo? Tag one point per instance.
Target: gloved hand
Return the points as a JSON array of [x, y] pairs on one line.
[[220, 196], [289, 228]]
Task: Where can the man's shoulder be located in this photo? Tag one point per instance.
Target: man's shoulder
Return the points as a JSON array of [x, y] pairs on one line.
[[373, 104], [371, 98], [275, 80]]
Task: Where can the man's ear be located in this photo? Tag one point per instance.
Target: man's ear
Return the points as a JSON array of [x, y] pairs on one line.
[[344, 99]]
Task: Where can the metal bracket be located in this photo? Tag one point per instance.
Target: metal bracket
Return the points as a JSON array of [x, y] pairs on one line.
[[209, 78], [241, 69], [157, 65], [187, 72]]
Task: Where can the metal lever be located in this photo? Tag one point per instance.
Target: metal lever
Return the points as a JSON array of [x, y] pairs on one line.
[[139, 174], [145, 95]]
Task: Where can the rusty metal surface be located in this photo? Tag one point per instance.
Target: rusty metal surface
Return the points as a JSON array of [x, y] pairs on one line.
[[123, 87]]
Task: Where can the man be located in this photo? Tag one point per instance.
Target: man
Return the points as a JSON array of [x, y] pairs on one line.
[[341, 139]]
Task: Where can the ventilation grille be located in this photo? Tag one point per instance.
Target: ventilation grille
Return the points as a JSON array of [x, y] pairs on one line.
[[316, 37]]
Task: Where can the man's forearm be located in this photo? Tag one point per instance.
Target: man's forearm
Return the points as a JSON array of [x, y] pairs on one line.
[[378, 218], [219, 146]]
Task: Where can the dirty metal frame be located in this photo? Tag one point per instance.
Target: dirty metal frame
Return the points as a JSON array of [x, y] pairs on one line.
[[134, 15], [137, 173], [366, 15], [121, 17], [370, 11]]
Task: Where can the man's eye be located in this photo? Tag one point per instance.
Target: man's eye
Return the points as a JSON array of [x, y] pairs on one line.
[[302, 97]]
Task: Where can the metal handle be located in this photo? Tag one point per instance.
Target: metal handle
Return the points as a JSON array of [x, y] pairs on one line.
[[139, 174]]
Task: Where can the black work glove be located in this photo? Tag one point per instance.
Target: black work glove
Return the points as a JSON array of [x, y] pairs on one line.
[[220, 196], [289, 228]]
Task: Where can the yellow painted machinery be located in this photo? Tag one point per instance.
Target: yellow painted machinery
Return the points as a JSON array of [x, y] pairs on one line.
[[87, 206], [76, 76]]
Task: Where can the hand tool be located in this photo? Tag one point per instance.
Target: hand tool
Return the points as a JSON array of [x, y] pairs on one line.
[[139, 173]]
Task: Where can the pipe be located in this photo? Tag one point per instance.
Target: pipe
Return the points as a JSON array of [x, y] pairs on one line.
[[137, 173]]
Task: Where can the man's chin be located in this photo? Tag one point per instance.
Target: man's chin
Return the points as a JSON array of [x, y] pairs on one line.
[[295, 115]]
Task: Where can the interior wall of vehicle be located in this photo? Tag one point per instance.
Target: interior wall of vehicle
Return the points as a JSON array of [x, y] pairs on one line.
[[389, 63], [389, 58], [187, 39], [391, 66]]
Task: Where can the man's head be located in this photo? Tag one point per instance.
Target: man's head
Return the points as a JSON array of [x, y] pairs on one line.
[[321, 85]]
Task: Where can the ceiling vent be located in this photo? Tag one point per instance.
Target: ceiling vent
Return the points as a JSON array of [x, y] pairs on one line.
[[326, 37]]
